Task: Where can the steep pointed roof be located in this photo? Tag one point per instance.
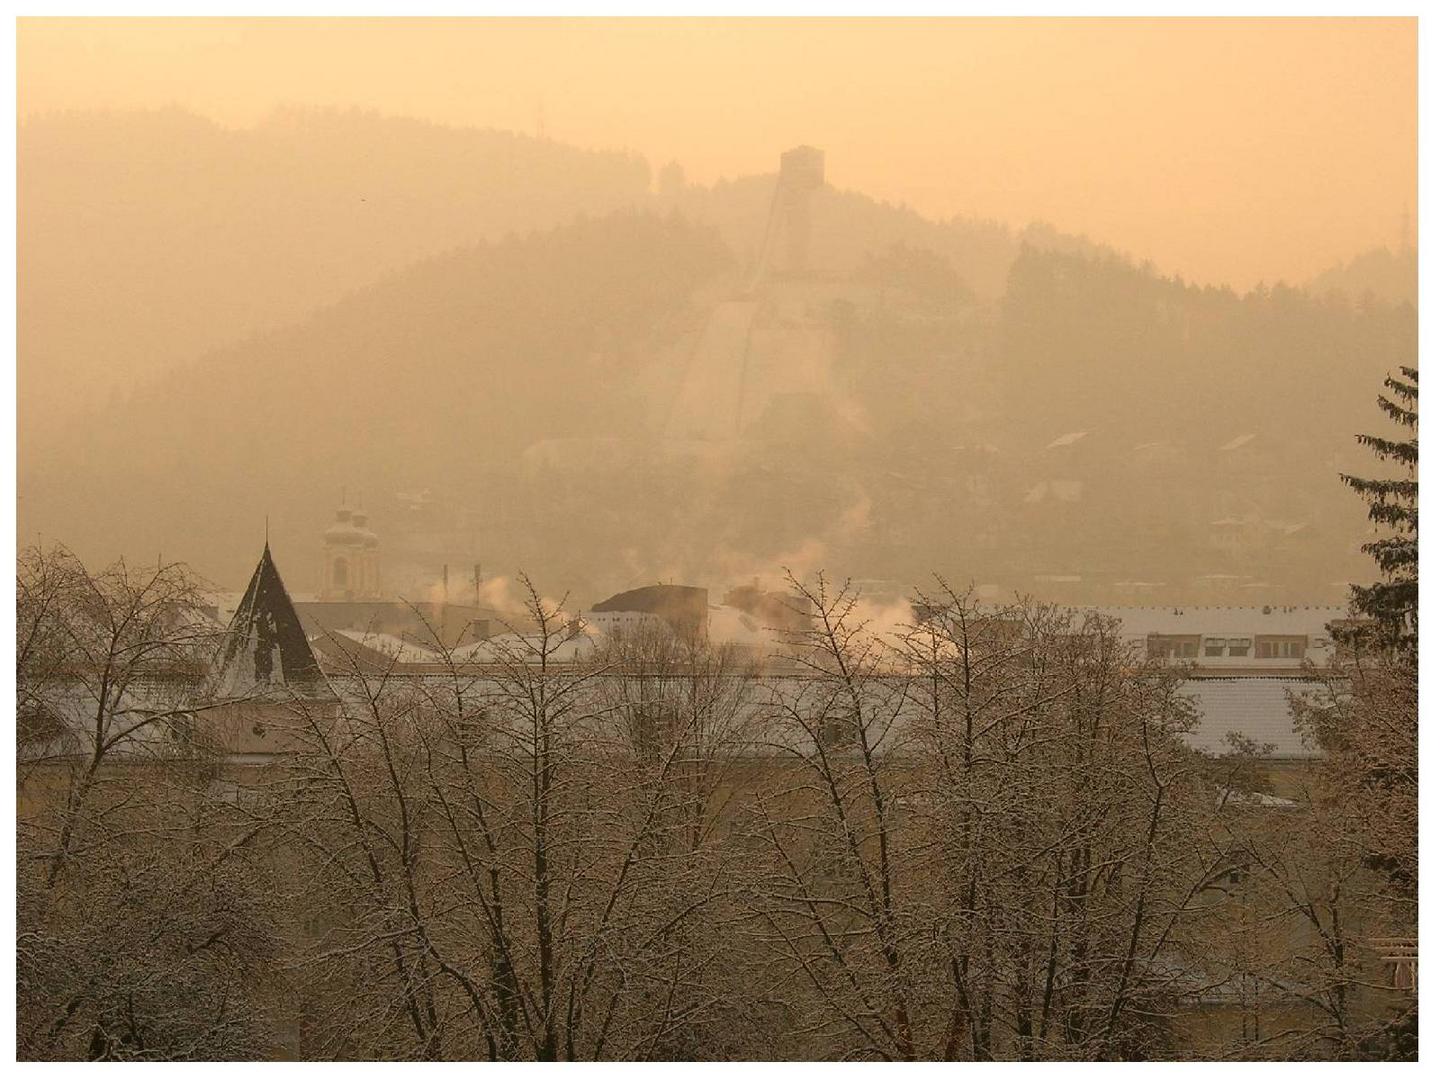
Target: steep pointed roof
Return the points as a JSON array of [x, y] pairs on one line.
[[265, 648]]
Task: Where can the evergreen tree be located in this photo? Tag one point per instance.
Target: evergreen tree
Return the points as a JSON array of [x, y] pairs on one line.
[[1393, 601]]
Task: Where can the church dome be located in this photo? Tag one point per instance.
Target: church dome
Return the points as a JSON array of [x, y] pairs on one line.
[[366, 534], [344, 531]]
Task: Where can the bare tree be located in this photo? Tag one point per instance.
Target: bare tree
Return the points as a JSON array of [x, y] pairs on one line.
[[977, 835], [514, 858], [107, 669], [995, 838], [142, 924], [1336, 873], [833, 915]]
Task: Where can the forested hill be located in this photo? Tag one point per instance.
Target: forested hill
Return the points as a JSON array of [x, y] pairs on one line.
[[425, 379], [1383, 275], [1097, 424], [148, 238], [1208, 427], [848, 227], [1103, 344]]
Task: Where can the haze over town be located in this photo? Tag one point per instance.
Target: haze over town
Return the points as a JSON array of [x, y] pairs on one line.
[[200, 250], [717, 539]]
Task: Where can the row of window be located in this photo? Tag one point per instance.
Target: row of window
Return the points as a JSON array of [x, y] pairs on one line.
[[1190, 646], [1227, 646]]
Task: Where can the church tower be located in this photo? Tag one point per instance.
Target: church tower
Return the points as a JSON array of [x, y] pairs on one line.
[[351, 567]]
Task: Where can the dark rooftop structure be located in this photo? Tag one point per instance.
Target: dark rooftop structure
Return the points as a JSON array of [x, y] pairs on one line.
[[265, 650], [685, 607]]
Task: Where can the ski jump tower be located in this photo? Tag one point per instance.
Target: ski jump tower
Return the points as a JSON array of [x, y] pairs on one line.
[[787, 231]]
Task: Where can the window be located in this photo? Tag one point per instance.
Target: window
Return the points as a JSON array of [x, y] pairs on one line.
[[1172, 646], [1280, 647], [1216, 646], [342, 572]]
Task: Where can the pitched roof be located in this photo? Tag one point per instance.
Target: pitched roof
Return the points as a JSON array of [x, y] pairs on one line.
[[265, 649], [685, 607]]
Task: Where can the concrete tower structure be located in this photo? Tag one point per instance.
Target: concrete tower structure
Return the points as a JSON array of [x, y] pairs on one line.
[[802, 173], [785, 248]]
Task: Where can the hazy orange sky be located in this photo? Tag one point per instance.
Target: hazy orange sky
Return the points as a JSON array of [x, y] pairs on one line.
[[1226, 150]]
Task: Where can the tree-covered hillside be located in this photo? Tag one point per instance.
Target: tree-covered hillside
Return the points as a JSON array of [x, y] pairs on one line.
[[148, 238], [1098, 433]]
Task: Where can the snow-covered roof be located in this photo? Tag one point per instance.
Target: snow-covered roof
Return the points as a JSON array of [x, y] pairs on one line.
[[505, 647], [1226, 621], [62, 722], [398, 648], [1255, 707]]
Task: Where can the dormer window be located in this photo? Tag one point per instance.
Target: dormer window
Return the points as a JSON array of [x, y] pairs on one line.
[[1172, 646], [1280, 646], [1218, 646]]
